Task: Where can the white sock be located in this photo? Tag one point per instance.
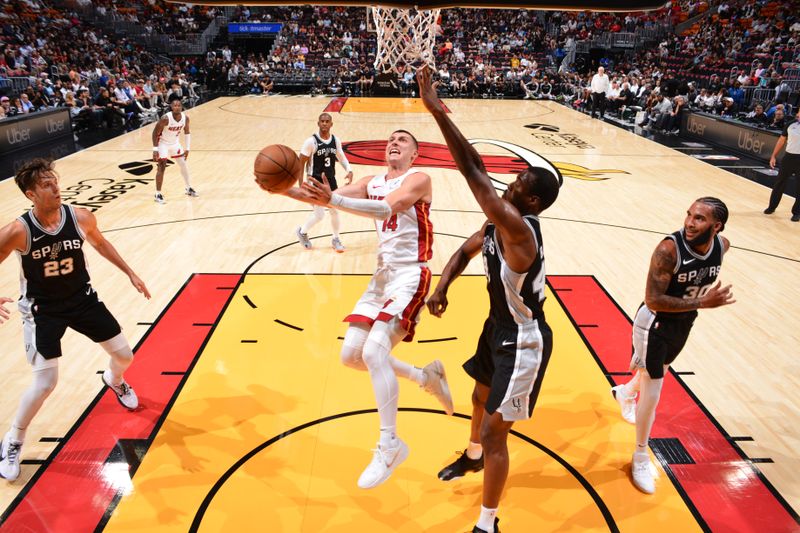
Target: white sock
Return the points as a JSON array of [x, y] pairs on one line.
[[388, 437], [335, 222], [486, 521], [407, 371], [474, 450], [16, 434], [184, 170]]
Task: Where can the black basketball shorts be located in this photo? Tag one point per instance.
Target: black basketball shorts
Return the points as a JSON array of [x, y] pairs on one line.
[[44, 323], [511, 361], [657, 341]]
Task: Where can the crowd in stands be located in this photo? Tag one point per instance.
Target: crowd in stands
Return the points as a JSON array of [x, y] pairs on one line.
[[51, 58], [730, 48], [158, 16]]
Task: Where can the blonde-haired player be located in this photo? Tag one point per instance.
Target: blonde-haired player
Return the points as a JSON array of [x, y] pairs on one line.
[[399, 201]]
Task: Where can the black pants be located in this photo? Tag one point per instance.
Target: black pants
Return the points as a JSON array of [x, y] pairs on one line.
[[790, 165], [599, 100]]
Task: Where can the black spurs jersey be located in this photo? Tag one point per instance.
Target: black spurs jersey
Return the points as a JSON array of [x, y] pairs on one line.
[[514, 298], [53, 265], [694, 274], [323, 160]]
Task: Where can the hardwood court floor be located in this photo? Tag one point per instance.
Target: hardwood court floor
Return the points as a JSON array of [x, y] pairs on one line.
[[739, 362]]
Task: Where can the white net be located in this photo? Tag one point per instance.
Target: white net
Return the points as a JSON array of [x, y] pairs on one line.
[[405, 37]]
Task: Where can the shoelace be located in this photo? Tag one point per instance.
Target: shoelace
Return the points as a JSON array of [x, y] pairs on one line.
[[124, 388], [642, 467], [380, 455], [13, 452]]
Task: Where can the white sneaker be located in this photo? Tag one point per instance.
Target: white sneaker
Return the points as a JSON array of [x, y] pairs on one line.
[[627, 404], [9, 458], [125, 394], [382, 465], [436, 384], [303, 238], [337, 245], [159, 198], [643, 473], [191, 192]]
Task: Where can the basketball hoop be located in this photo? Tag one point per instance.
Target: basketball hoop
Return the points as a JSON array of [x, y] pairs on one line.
[[405, 37]]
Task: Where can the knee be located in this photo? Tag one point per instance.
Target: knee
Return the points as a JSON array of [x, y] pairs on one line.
[[477, 400], [491, 440], [125, 355], [371, 354], [352, 358], [44, 386]]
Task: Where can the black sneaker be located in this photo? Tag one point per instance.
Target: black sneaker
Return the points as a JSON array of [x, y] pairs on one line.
[[476, 529], [769, 210], [795, 218], [460, 467]]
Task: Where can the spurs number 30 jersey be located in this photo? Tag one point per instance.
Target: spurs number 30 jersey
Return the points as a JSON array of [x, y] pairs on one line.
[[170, 134], [404, 237], [53, 266], [694, 274], [515, 298]]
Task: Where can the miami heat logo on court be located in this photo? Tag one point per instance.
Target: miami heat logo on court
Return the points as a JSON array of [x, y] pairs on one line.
[[437, 155]]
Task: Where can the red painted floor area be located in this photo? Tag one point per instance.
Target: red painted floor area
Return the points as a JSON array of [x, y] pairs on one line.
[[728, 492], [73, 491], [336, 104]]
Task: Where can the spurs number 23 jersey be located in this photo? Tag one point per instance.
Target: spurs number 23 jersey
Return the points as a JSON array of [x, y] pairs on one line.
[[694, 274], [404, 237], [53, 267], [515, 297]]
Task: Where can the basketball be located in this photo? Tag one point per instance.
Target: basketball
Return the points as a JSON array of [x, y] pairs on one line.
[[277, 168]]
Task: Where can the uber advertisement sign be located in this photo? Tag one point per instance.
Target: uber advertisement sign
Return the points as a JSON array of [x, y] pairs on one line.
[[755, 142], [21, 132]]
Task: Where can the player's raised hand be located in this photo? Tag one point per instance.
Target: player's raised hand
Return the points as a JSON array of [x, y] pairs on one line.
[[139, 285], [5, 313], [319, 191], [437, 303], [717, 296], [427, 90]]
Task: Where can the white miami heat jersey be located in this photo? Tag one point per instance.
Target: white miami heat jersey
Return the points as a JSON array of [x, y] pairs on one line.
[[169, 135], [404, 237]]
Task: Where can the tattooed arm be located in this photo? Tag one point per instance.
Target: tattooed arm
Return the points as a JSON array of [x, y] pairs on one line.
[[662, 265]]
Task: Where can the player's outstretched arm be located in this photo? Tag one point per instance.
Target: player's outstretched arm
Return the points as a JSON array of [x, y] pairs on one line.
[[518, 240], [187, 136], [12, 237], [662, 266], [340, 155], [350, 198], [437, 303], [160, 125], [88, 224]]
